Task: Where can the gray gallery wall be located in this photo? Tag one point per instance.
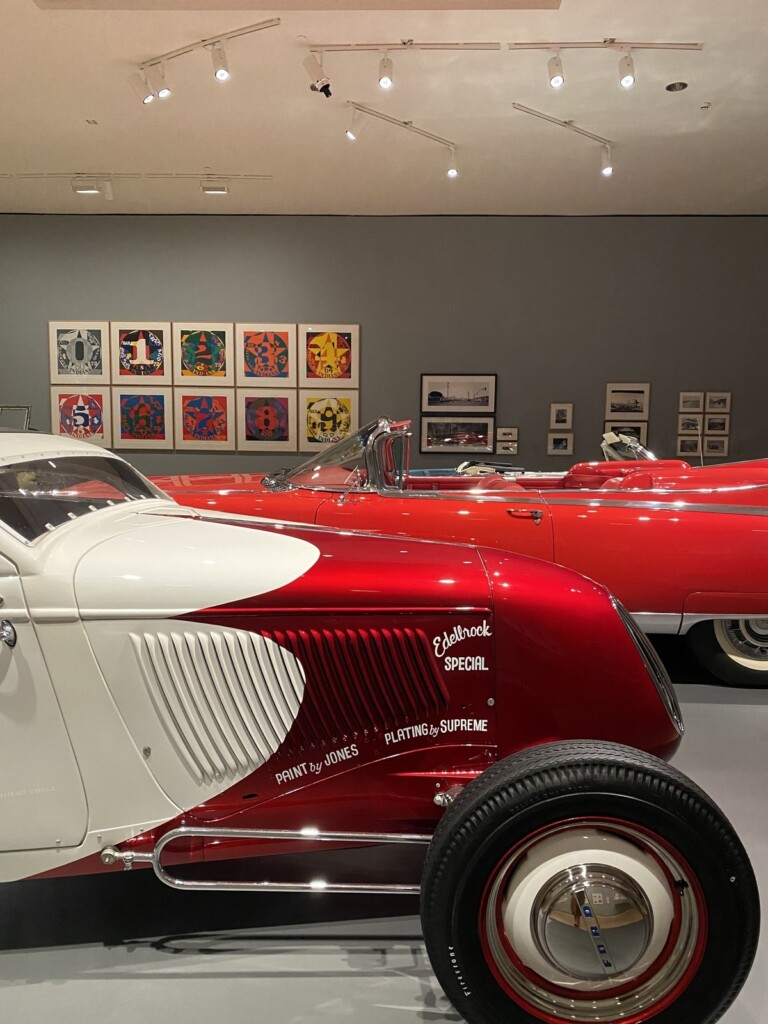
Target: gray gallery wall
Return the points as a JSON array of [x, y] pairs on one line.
[[555, 306]]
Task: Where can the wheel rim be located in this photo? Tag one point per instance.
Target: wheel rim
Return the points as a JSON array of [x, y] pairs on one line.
[[593, 921], [745, 641]]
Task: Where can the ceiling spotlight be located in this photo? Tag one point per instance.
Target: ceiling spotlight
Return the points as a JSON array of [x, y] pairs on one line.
[[214, 187], [356, 124], [140, 86], [607, 163], [156, 81], [385, 73], [320, 82], [452, 170], [555, 69], [220, 66], [626, 71]]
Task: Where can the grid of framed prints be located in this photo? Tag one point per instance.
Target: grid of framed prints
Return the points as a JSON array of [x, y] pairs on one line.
[[148, 384], [704, 424], [449, 406]]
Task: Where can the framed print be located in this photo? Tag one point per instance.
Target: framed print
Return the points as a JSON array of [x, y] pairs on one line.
[[450, 393], [457, 434], [637, 430], [266, 420], [559, 444], [715, 447], [329, 355], [506, 447], [718, 401], [141, 350], [79, 350], [627, 401], [325, 417], [83, 414], [691, 401], [202, 355], [142, 417], [506, 433], [714, 423], [690, 423], [265, 355], [688, 446], [561, 416], [205, 418]]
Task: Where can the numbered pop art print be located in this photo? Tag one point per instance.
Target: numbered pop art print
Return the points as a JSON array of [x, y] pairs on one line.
[[325, 418], [79, 350], [329, 354], [265, 355], [202, 354], [83, 414], [142, 417], [266, 420], [141, 350], [205, 419]]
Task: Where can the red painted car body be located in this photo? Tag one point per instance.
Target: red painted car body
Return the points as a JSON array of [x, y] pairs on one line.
[[683, 548]]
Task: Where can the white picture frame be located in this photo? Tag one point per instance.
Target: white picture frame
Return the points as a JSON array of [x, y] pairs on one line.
[[329, 356], [717, 401], [690, 423], [277, 432], [214, 368], [84, 414], [457, 434], [79, 351], [627, 401], [688, 446], [448, 393], [638, 429], [208, 413], [715, 447], [141, 351], [265, 355], [142, 417], [559, 443], [561, 416], [325, 417], [691, 401], [717, 423]]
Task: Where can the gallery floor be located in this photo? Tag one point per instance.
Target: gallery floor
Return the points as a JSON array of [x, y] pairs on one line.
[[123, 948]]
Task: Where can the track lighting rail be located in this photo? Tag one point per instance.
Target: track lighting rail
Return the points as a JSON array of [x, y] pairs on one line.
[[205, 44]]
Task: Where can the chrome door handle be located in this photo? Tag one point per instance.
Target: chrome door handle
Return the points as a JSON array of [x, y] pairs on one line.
[[7, 633], [531, 513]]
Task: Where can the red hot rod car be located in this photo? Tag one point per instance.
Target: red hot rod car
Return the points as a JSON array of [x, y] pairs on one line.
[[190, 690], [684, 549]]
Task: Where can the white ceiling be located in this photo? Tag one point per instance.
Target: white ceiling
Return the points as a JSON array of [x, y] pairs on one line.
[[702, 150]]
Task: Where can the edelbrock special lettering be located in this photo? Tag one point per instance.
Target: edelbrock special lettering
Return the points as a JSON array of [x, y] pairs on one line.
[[442, 644], [470, 664]]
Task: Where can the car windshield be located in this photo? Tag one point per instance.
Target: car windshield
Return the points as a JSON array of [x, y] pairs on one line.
[[41, 494], [337, 467]]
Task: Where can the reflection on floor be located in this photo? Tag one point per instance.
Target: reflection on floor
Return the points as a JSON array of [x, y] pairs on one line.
[[123, 948]]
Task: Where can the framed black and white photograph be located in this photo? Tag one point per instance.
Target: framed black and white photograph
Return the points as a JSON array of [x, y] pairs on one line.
[[627, 401], [561, 416], [506, 447], [559, 444], [457, 434], [691, 401], [718, 401], [690, 423], [450, 393], [715, 447], [506, 433], [714, 423], [688, 447], [637, 430]]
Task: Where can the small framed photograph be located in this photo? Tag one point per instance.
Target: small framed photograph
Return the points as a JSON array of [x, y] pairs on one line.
[[561, 416], [329, 356], [714, 423], [506, 433], [202, 355], [142, 417], [715, 447], [457, 434], [266, 420], [84, 414], [265, 355], [688, 447], [141, 351], [446, 394], [627, 401], [79, 350], [205, 418], [506, 447], [325, 417], [691, 401], [690, 423], [559, 444], [718, 401], [637, 430]]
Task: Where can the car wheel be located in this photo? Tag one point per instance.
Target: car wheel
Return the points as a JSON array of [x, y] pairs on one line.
[[735, 651], [585, 882]]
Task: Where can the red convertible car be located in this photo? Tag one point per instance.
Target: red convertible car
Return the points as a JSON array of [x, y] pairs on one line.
[[189, 691], [683, 548]]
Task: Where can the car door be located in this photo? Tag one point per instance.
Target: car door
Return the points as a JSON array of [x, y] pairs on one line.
[[42, 800]]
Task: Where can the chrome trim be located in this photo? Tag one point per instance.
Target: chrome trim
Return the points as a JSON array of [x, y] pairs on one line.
[[654, 506], [111, 855], [691, 620], [7, 633], [658, 622], [654, 665]]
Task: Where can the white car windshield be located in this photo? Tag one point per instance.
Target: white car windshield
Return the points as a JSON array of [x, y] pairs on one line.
[[38, 495]]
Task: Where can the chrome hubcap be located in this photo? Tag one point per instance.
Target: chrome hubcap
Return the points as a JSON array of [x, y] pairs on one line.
[[744, 640]]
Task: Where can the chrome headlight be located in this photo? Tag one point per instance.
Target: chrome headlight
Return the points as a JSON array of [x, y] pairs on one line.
[[654, 665]]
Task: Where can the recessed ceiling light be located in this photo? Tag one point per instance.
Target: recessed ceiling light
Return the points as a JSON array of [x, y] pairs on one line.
[[676, 86], [214, 187]]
